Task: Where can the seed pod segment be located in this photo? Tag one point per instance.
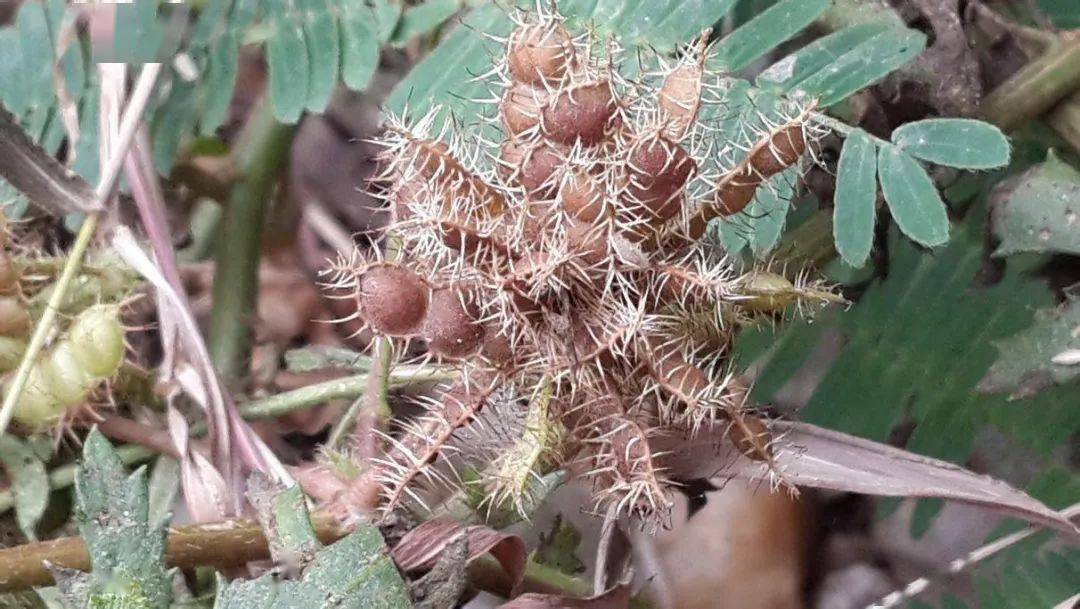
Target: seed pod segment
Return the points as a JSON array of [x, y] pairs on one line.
[[392, 299], [97, 340], [539, 53], [680, 94], [583, 113], [452, 328]]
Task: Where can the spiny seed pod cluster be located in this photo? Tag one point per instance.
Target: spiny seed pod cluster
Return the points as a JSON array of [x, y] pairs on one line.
[[562, 263], [62, 379]]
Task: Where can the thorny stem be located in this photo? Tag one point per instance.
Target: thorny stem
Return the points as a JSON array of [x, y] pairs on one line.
[[273, 406], [260, 154], [110, 173]]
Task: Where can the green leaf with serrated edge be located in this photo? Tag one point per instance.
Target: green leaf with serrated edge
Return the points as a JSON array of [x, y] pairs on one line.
[[864, 65], [446, 75], [912, 197], [763, 33], [423, 19], [287, 60], [793, 69], [769, 210], [1025, 361], [1042, 211], [127, 551], [324, 52], [956, 142], [359, 45], [29, 482], [856, 193], [387, 15], [355, 572]]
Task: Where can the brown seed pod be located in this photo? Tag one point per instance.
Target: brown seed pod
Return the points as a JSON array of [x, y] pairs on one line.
[[539, 52], [443, 173], [780, 151], [584, 113], [535, 166], [393, 300], [680, 98], [451, 328], [589, 241], [521, 108], [674, 373], [658, 170], [734, 195], [582, 196], [407, 194], [14, 318], [496, 347]]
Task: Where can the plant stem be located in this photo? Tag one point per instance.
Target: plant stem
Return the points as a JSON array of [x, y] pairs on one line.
[[1036, 87], [1065, 119], [260, 154], [110, 173]]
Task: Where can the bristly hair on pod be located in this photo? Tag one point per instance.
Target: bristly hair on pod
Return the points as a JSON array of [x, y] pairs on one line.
[[559, 269]]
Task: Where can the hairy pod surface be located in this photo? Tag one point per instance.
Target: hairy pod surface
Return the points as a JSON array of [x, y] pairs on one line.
[[452, 328], [583, 113], [393, 300], [539, 53]]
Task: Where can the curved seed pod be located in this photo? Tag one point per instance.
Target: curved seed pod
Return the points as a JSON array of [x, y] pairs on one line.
[[97, 341], [589, 241], [392, 300], [539, 52], [765, 292], [680, 94], [433, 162], [583, 113], [658, 170], [37, 407], [780, 151], [735, 194], [451, 328], [627, 475], [521, 108], [581, 196], [66, 376]]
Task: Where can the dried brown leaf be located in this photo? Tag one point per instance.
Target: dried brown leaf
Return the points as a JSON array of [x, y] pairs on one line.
[[421, 547], [820, 458]]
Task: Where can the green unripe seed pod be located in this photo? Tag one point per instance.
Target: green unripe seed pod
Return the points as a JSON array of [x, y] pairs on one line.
[[766, 292], [37, 407], [97, 341], [11, 352], [68, 380]]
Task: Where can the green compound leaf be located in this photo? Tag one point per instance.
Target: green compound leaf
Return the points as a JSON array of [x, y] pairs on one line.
[[127, 551], [323, 46], [956, 142], [769, 210], [863, 65], [29, 482], [1042, 213], [788, 73], [287, 60], [422, 19], [854, 201], [764, 32], [912, 197], [359, 44], [1026, 361]]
